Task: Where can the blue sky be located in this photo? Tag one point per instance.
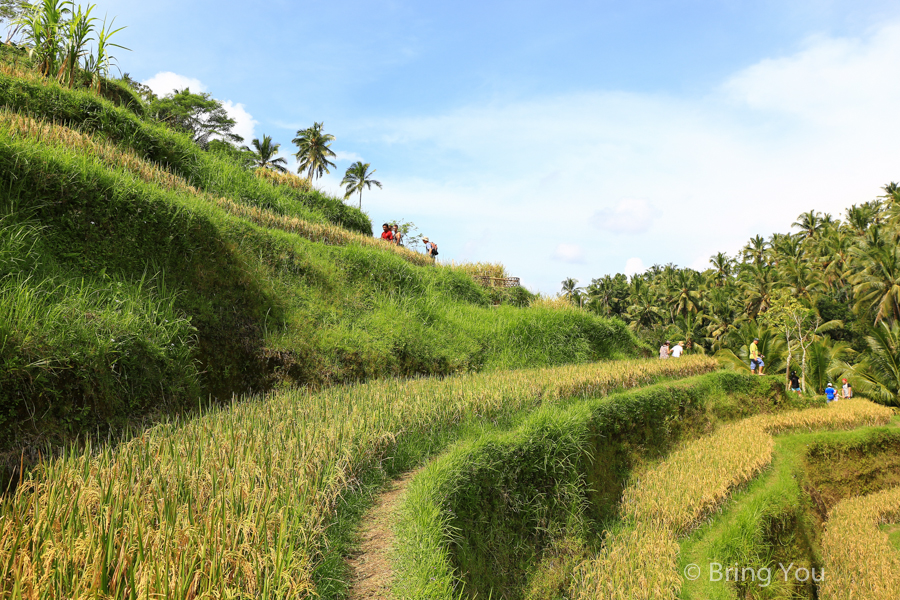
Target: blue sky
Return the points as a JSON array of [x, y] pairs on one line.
[[563, 139]]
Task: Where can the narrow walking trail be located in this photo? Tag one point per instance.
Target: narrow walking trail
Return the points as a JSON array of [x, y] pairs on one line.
[[371, 568]]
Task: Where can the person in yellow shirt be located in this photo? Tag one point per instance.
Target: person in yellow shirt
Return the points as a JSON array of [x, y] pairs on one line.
[[754, 356]]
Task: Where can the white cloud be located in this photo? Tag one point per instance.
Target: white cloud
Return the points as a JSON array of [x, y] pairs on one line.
[[342, 156], [634, 266], [628, 216], [833, 80], [165, 82], [572, 253], [816, 129], [245, 125]]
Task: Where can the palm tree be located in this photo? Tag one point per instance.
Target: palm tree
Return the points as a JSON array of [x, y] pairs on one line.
[[722, 266], [878, 374], [810, 222], [756, 250], [314, 150], [685, 292], [570, 288], [877, 286], [264, 155], [356, 178]]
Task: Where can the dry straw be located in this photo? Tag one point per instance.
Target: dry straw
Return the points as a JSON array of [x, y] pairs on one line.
[[236, 503], [554, 303]]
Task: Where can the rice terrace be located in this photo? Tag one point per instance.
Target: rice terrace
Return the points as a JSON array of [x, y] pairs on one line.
[[221, 376]]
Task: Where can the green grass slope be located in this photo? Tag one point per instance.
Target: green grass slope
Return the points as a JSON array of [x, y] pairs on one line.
[[136, 277]]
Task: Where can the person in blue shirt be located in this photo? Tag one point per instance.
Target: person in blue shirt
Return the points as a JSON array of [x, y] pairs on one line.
[[830, 393]]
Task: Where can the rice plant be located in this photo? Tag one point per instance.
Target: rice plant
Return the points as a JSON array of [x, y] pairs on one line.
[[859, 560], [639, 561], [236, 503]]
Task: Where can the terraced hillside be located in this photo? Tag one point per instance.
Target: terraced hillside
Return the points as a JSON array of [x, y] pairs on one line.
[[713, 487], [142, 275], [255, 500]]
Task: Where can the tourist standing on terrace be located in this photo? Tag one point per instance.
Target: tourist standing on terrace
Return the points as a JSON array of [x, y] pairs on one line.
[[678, 349], [386, 233], [664, 350], [754, 356], [398, 237], [846, 389], [430, 248]]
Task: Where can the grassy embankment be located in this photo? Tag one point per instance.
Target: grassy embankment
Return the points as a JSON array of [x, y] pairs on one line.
[[140, 274], [515, 513], [778, 520], [237, 503], [511, 513]]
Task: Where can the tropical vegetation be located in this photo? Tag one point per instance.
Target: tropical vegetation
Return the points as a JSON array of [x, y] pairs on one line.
[[824, 300]]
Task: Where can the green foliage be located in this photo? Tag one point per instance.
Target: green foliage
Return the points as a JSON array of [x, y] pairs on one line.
[[264, 307], [493, 514], [877, 376], [200, 116], [834, 276]]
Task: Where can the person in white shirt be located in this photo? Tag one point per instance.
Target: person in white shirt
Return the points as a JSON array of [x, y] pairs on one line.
[[678, 349]]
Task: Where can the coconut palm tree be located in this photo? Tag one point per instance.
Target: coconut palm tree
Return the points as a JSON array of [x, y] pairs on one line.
[[570, 288], [356, 178], [878, 374], [723, 266], [877, 286], [264, 155], [809, 222], [314, 150]]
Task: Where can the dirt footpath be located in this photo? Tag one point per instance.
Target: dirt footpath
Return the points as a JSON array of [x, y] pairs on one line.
[[371, 569]]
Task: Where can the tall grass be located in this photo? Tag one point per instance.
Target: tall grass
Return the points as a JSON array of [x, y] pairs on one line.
[[236, 503]]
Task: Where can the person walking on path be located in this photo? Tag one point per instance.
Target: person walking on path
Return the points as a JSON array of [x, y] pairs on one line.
[[830, 393], [398, 237], [846, 389], [678, 349], [664, 351], [386, 233], [754, 356]]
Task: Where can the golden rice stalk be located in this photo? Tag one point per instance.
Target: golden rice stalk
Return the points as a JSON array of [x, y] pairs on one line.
[[288, 179], [638, 563], [236, 503], [843, 414], [859, 561], [672, 497], [678, 492], [478, 269], [559, 302]]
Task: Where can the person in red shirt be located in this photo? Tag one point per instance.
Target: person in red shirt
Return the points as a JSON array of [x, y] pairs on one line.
[[387, 235]]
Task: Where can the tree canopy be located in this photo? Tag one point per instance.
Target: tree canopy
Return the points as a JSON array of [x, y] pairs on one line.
[[199, 115]]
